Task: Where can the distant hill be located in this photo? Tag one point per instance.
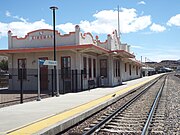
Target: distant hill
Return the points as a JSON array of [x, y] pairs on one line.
[[173, 64]]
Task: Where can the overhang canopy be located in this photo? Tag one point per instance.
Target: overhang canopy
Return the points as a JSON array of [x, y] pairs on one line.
[[132, 60], [85, 48], [122, 54], [81, 48]]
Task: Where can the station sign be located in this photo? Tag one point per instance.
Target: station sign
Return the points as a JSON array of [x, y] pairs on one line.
[[48, 62]]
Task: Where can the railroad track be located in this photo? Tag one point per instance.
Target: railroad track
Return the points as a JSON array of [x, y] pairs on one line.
[[134, 117], [93, 123]]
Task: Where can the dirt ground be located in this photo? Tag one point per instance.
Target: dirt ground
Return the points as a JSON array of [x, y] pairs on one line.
[[8, 97]]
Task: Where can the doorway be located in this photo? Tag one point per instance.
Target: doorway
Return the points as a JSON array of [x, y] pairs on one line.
[[44, 75]]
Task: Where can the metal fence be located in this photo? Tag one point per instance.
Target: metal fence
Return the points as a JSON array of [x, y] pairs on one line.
[[21, 85], [3, 80]]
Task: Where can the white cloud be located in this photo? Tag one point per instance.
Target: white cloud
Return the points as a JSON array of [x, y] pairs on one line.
[[175, 20], [137, 46], [3, 29], [8, 14], [141, 3], [162, 56], [157, 28], [106, 21], [22, 28], [158, 54], [66, 27]]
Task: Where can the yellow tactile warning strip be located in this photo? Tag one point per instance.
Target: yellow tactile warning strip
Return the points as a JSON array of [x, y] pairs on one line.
[[34, 127]]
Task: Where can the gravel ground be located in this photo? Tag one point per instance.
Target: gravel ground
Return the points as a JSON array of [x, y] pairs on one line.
[[172, 111], [167, 115]]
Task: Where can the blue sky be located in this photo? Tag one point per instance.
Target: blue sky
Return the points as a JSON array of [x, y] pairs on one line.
[[151, 27]]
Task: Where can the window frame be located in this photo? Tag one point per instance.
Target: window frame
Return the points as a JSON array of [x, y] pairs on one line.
[[125, 67], [137, 70], [103, 70], [94, 68], [118, 70], [66, 67], [85, 67], [90, 67], [130, 72]]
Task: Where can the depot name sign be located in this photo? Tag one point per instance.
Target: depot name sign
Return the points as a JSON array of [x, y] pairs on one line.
[[40, 37]]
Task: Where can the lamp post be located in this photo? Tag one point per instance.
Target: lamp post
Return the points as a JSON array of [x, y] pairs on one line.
[[53, 8]]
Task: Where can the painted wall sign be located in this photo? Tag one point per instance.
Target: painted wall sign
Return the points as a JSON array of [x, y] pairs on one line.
[[40, 37]]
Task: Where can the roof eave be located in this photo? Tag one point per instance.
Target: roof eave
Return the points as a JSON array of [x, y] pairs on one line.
[[122, 53]]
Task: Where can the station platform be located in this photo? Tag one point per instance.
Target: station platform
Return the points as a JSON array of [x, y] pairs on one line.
[[51, 115]]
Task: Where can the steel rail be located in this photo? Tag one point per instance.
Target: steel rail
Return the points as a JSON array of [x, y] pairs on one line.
[[153, 108], [121, 109]]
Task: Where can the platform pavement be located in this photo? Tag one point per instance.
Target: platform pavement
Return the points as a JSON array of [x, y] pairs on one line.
[[21, 115]]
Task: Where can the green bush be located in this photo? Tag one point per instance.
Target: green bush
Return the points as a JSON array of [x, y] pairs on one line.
[[4, 65]]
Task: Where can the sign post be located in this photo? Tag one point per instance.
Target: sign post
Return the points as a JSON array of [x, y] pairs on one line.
[[40, 62], [21, 85], [57, 74]]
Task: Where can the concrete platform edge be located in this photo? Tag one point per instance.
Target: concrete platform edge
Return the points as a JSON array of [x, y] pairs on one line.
[[60, 126]]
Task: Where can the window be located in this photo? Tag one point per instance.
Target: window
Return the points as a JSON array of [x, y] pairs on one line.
[[90, 67], [125, 67], [103, 67], [22, 71], [66, 66], [94, 67], [116, 68], [136, 70], [129, 69], [85, 66]]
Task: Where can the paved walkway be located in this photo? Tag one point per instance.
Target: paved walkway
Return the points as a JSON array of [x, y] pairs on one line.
[[17, 116]]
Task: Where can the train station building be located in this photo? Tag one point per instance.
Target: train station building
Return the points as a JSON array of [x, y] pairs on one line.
[[83, 60]]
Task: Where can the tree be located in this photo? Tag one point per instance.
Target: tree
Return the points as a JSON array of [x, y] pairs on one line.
[[4, 64]]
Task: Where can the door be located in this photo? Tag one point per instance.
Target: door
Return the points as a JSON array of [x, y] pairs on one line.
[[66, 73], [44, 75]]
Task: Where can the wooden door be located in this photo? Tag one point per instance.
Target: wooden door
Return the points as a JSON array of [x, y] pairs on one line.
[[44, 75]]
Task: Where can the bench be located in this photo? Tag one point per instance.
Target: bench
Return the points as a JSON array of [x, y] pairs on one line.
[[91, 84]]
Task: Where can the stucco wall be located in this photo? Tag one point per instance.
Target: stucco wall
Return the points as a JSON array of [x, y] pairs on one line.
[[87, 38], [42, 38], [126, 75]]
